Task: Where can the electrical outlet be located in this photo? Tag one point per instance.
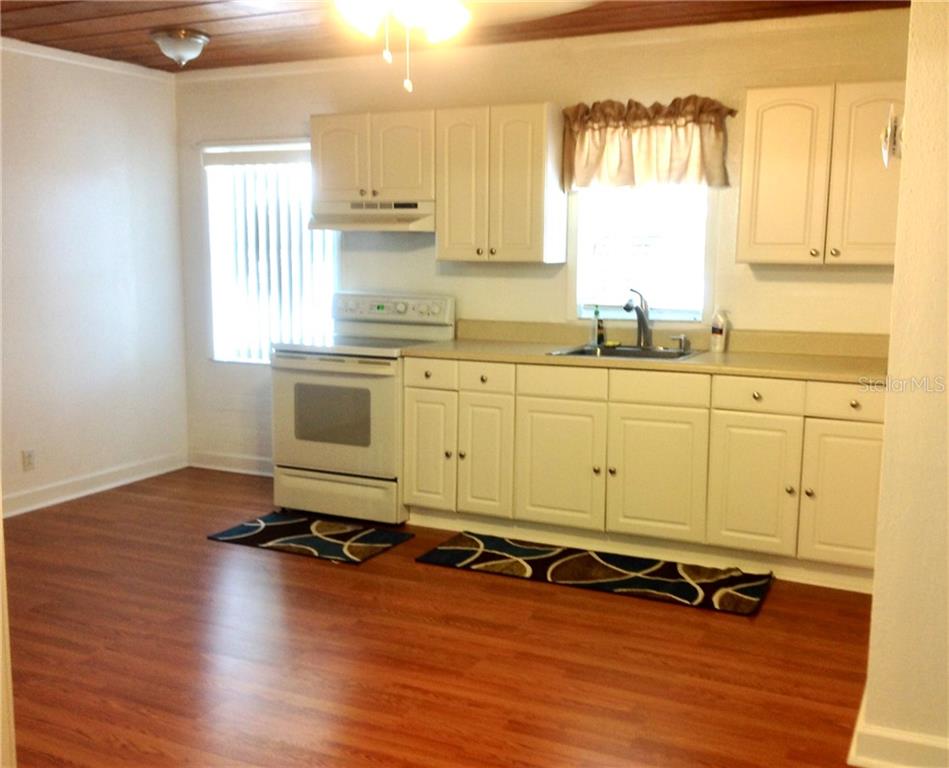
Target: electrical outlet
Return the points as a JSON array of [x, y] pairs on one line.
[[28, 459]]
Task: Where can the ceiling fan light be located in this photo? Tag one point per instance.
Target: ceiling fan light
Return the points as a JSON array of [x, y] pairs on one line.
[[446, 21], [365, 15], [180, 45]]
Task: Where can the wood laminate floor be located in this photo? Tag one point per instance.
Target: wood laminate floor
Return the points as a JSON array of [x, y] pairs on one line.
[[137, 642]]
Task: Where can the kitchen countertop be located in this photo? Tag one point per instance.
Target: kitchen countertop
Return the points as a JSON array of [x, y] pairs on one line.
[[780, 366]]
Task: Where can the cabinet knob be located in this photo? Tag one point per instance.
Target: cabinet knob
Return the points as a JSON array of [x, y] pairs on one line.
[[755, 395], [835, 252], [448, 454], [612, 471], [855, 404], [428, 374], [461, 454], [789, 490], [479, 251], [362, 193], [809, 492], [484, 379], [375, 193], [596, 470], [814, 252], [492, 251]]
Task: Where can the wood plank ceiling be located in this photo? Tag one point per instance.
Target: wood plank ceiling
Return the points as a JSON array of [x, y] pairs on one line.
[[266, 31]]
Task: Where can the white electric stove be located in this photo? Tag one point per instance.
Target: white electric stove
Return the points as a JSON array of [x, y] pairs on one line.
[[337, 406]]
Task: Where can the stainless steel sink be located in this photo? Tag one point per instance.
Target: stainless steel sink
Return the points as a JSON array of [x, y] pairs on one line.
[[651, 353]]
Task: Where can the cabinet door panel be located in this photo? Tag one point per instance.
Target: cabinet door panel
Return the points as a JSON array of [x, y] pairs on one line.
[[339, 149], [658, 459], [753, 459], [560, 466], [431, 433], [841, 484], [516, 182], [785, 161], [861, 213], [486, 454], [403, 155], [462, 184]]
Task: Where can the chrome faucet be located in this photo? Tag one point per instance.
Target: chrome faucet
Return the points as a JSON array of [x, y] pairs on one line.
[[643, 328]]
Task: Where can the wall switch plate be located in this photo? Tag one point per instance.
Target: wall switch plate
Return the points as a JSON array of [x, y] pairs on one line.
[[28, 460]]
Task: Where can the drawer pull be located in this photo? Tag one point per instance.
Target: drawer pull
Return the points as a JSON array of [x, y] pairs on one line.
[[596, 470], [428, 374], [809, 492], [789, 490], [612, 471], [855, 404], [484, 379], [756, 395], [814, 252], [461, 454], [448, 454]]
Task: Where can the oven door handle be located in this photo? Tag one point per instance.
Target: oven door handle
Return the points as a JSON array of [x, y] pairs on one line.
[[360, 366]]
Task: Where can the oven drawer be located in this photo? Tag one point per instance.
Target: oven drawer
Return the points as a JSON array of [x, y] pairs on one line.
[[327, 494], [433, 374]]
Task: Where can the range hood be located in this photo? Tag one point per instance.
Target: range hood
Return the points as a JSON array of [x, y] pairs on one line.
[[374, 216]]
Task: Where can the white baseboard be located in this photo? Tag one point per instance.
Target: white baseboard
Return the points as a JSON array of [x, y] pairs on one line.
[[232, 462], [878, 746], [18, 502], [790, 569]]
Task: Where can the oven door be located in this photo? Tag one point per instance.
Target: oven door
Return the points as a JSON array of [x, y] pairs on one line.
[[337, 414]]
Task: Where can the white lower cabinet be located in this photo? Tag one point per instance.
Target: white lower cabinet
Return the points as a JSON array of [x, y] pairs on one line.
[[657, 471], [431, 433], [754, 469], [458, 452], [560, 467], [840, 482], [486, 454]]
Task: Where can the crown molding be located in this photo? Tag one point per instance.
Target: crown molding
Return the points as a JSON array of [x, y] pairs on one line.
[[9, 45]]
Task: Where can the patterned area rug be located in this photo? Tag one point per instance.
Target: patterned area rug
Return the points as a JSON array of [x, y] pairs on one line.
[[719, 589], [300, 533]]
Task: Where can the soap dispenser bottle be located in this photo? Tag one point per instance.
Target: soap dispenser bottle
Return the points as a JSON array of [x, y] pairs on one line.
[[719, 337], [599, 330]]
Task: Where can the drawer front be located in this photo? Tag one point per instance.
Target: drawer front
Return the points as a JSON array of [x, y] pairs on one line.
[[433, 374], [744, 393], [660, 388], [852, 402], [486, 377], [562, 381]]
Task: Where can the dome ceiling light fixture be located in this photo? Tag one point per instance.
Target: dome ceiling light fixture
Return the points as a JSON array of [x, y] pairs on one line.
[[179, 44], [440, 20]]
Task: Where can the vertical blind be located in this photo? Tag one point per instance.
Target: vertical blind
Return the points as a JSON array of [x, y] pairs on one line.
[[272, 278]]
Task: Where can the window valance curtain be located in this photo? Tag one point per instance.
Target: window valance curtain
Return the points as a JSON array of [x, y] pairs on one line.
[[622, 145]]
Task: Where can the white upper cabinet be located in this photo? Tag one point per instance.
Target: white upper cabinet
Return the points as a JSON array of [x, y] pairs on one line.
[[339, 150], [813, 186], [498, 184], [785, 165], [461, 187], [861, 212], [386, 156], [403, 156]]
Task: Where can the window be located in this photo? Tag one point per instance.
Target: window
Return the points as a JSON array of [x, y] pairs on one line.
[[651, 238], [272, 278]]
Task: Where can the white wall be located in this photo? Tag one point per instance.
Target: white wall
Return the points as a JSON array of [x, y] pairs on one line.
[[93, 337], [229, 406], [905, 716]]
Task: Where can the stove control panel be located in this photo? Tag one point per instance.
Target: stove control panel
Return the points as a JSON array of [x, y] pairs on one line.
[[417, 310]]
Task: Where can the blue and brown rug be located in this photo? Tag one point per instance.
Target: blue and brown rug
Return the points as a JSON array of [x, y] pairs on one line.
[[718, 589], [302, 533]]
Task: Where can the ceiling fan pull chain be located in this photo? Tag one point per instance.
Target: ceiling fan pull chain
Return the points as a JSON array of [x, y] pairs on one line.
[[407, 83]]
